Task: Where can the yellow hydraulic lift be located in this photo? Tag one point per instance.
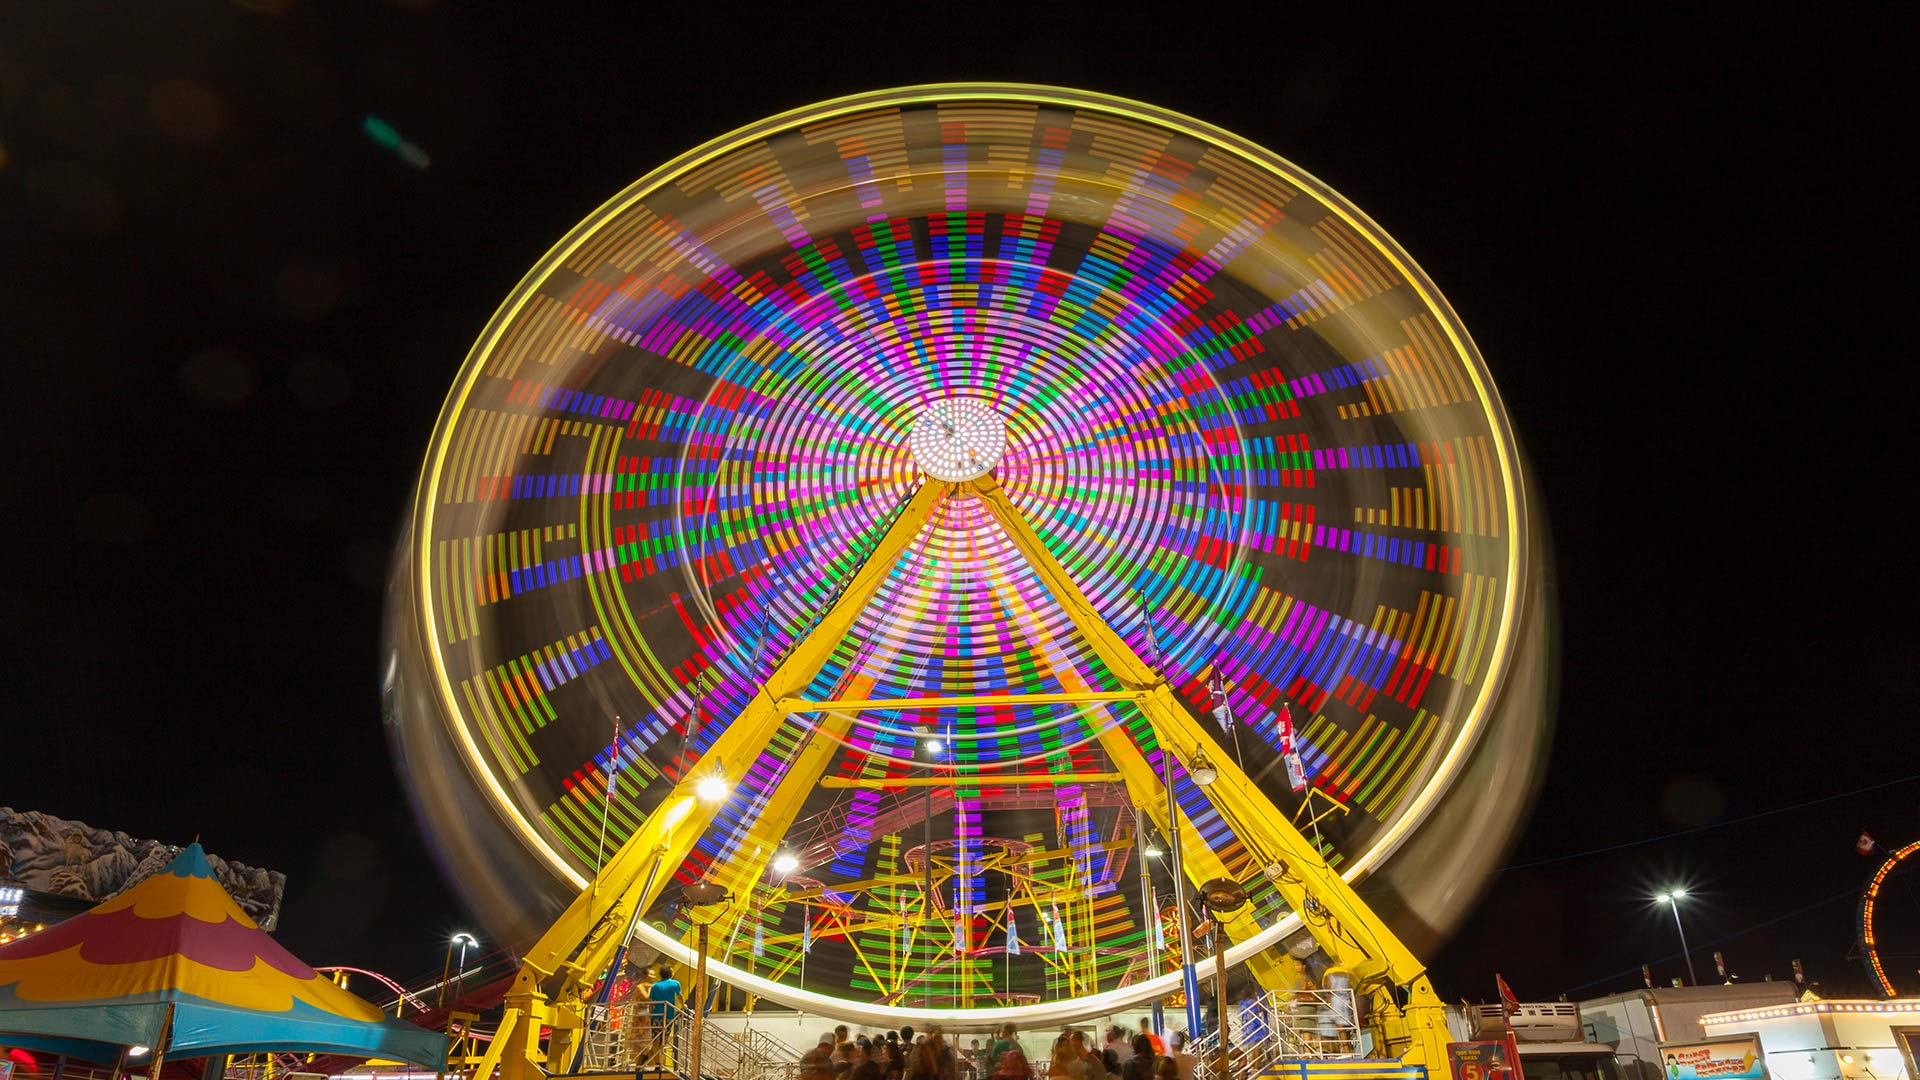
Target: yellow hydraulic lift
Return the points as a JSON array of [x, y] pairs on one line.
[[562, 967]]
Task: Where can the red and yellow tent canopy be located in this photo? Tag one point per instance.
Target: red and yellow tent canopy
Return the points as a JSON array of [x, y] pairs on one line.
[[176, 945]]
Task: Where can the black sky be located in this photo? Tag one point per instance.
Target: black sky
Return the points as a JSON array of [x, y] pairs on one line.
[[1681, 242]]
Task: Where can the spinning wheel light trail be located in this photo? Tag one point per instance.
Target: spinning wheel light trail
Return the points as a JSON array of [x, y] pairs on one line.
[[874, 419]]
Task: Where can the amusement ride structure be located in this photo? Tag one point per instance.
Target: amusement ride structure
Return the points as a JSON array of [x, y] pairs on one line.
[[957, 523]]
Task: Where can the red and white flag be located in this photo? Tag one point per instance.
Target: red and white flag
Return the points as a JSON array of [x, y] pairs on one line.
[[1290, 750], [1508, 1003], [1865, 844]]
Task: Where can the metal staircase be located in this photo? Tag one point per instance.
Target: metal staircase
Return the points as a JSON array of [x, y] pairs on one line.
[[1281, 1026]]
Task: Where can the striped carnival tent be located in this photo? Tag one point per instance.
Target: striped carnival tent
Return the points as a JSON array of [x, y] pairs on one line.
[[174, 964]]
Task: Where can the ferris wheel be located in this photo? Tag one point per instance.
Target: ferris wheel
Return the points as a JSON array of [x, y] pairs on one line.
[[989, 498]]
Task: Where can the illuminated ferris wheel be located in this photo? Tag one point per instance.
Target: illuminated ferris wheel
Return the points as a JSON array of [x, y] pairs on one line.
[[914, 469]]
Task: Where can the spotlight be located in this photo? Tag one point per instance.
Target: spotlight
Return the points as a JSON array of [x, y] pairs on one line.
[[1202, 770], [1154, 853], [785, 863], [713, 788], [138, 1051], [935, 746]]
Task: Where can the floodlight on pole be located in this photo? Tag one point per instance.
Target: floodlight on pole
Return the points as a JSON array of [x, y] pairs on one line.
[[1672, 898]]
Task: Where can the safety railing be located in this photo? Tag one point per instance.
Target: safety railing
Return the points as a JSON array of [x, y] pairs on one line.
[[626, 1038]]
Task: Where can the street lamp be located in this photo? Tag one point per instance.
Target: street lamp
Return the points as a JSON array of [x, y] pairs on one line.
[[1672, 899], [462, 939]]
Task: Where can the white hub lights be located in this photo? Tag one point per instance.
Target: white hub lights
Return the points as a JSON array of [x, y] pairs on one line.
[[958, 439]]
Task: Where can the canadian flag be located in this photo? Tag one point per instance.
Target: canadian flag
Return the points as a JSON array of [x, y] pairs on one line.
[[1865, 844]]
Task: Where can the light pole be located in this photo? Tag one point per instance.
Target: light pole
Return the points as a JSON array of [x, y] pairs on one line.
[[700, 894], [1189, 984], [462, 939], [1672, 899]]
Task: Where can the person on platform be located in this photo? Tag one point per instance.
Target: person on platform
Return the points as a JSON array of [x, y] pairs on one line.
[[663, 993], [1143, 1062]]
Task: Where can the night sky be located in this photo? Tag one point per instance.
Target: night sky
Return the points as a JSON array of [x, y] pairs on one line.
[[230, 317]]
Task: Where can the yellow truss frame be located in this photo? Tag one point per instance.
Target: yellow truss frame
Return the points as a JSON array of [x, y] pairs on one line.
[[560, 968]]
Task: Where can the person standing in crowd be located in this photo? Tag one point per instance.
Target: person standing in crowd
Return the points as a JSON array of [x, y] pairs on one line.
[[842, 1059], [1084, 1063], [1061, 1054], [1013, 1065], [1182, 1060], [1165, 1068], [1146, 1028], [931, 1059], [817, 1063], [1141, 1065], [865, 1065], [997, 1046], [896, 1055]]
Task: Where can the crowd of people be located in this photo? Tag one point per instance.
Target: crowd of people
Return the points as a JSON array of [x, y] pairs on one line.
[[906, 1055]]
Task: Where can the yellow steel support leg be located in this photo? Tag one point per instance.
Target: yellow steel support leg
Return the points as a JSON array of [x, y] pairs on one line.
[[557, 971], [1414, 1018]]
